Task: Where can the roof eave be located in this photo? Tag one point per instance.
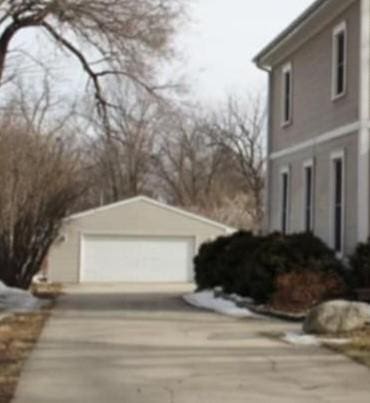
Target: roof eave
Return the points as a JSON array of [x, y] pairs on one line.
[[261, 58]]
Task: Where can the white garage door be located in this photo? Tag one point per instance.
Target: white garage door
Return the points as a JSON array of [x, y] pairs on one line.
[[136, 259]]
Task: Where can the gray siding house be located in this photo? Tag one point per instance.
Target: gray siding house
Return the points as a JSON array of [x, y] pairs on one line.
[[319, 122]]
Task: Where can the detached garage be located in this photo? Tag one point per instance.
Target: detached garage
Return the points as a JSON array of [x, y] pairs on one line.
[[137, 240]]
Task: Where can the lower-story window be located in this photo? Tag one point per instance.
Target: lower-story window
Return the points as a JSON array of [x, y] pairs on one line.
[[285, 202], [337, 196], [308, 210]]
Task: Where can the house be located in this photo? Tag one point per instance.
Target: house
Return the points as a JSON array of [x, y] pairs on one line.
[[319, 121], [138, 240]]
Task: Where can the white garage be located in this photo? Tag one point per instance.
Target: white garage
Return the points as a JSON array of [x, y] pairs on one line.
[[139, 240]]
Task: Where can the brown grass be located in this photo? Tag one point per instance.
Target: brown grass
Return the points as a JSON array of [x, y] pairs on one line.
[[18, 335]]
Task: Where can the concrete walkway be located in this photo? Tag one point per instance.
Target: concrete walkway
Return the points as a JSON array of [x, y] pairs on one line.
[[144, 345]]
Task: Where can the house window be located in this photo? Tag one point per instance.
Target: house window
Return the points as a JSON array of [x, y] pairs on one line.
[[287, 80], [308, 211], [285, 202], [339, 61], [337, 210]]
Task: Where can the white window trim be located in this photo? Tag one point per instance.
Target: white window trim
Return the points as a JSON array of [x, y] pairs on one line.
[[337, 155], [287, 68], [285, 170], [310, 163], [340, 28]]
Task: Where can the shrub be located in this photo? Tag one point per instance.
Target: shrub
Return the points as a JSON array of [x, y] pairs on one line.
[[279, 254], [301, 290], [250, 265], [208, 265], [360, 265], [237, 261], [223, 262]]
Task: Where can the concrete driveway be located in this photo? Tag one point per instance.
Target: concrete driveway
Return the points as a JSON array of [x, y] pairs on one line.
[[142, 344]]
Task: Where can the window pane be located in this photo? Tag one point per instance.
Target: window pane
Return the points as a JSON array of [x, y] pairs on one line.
[[338, 205], [285, 201], [341, 48], [308, 201], [340, 80], [338, 180], [340, 44], [287, 96], [338, 229]]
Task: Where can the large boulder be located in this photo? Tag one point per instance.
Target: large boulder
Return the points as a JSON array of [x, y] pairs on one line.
[[337, 317]]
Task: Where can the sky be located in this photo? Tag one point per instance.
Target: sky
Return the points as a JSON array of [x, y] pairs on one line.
[[223, 37]]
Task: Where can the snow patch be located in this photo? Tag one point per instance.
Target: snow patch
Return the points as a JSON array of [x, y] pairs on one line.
[[238, 299], [15, 300], [207, 300], [302, 339]]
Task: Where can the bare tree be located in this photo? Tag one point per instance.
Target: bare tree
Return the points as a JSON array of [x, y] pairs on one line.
[[121, 162], [39, 187], [239, 130], [106, 37], [40, 183], [37, 108], [191, 168]]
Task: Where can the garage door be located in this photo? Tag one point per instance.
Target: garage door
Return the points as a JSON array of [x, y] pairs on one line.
[[136, 259]]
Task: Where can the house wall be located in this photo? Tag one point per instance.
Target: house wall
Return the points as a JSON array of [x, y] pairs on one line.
[[320, 125], [322, 195], [137, 218], [314, 112]]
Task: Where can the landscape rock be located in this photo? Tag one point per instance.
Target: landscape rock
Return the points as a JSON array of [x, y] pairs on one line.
[[337, 317]]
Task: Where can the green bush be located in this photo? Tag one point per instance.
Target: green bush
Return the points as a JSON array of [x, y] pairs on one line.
[[208, 265], [360, 266], [236, 261], [249, 265]]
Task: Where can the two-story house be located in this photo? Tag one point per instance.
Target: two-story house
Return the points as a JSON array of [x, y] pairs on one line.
[[319, 122]]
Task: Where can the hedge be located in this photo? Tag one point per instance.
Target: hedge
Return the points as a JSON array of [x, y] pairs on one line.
[[360, 266], [251, 265]]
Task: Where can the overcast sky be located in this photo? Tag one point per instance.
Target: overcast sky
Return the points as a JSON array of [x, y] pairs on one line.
[[223, 38]]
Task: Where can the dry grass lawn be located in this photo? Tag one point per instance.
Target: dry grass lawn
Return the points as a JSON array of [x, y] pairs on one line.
[[18, 335]]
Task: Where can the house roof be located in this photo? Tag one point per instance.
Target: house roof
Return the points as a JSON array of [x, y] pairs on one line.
[[291, 29], [153, 203]]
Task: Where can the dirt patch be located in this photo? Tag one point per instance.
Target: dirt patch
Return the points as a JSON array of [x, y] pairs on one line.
[[18, 335]]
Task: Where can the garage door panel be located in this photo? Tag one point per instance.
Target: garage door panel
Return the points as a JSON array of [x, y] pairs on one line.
[[136, 259]]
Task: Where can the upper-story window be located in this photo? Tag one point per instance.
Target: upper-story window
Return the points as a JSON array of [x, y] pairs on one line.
[[287, 80], [339, 80]]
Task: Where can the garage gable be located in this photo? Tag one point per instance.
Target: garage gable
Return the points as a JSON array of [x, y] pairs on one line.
[[141, 213]]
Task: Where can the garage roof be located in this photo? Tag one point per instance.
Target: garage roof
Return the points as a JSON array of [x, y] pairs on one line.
[[154, 203]]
